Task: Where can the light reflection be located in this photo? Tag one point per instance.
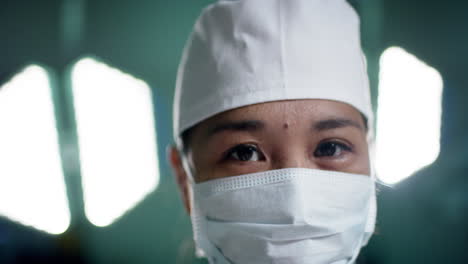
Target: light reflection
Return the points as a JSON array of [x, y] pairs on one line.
[[32, 189], [408, 117], [117, 143]]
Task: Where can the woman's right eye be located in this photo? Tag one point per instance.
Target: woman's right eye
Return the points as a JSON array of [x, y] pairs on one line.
[[244, 152]]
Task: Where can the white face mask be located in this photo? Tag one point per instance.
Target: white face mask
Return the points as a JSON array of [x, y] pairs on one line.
[[293, 216]]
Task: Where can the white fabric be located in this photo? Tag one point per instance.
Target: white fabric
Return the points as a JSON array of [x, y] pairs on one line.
[[294, 216], [252, 51]]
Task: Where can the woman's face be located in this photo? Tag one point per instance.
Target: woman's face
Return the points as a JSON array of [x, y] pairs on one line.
[[310, 133]]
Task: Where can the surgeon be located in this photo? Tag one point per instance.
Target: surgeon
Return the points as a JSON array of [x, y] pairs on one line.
[[272, 124]]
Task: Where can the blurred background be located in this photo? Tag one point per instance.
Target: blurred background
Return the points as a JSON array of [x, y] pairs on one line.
[[86, 92]]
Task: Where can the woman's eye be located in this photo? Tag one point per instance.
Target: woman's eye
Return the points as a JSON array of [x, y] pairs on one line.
[[330, 149], [244, 153]]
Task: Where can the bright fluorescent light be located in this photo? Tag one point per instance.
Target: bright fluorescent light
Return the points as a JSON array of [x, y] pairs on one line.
[[32, 189], [409, 115], [114, 115]]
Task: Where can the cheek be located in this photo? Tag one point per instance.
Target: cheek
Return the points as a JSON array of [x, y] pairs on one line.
[[361, 163], [203, 165], [209, 163]]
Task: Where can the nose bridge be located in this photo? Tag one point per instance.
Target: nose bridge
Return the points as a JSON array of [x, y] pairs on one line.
[[292, 156]]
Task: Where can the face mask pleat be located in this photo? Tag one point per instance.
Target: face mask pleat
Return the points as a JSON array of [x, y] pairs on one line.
[[293, 215]]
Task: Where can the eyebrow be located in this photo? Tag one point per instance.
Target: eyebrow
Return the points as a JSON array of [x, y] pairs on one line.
[[255, 125], [243, 125], [335, 123]]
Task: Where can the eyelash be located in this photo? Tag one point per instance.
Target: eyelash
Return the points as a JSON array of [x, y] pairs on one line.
[[231, 152], [334, 143], [342, 147]]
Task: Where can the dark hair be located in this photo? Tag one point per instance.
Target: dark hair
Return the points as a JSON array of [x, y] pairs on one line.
[[185, 139]]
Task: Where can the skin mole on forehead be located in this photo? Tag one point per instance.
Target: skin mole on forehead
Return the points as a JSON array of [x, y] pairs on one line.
[[285, 125]]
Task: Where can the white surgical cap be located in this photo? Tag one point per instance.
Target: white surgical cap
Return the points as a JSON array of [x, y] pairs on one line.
[[245, 52]]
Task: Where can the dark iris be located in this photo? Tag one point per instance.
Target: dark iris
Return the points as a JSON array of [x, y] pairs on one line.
[[244, 152], [328, 149]]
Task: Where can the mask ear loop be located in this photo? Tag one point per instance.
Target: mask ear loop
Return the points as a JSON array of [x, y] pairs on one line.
[[372, 215], [184, 160], [201, 243], [194, 211]]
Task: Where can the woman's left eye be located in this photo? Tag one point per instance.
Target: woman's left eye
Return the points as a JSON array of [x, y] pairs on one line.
[[331, 149]]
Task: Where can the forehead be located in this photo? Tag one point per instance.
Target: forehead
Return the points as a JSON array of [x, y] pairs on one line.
[[291, 112]]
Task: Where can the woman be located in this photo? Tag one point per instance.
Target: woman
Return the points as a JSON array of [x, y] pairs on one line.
[[271, 114]]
